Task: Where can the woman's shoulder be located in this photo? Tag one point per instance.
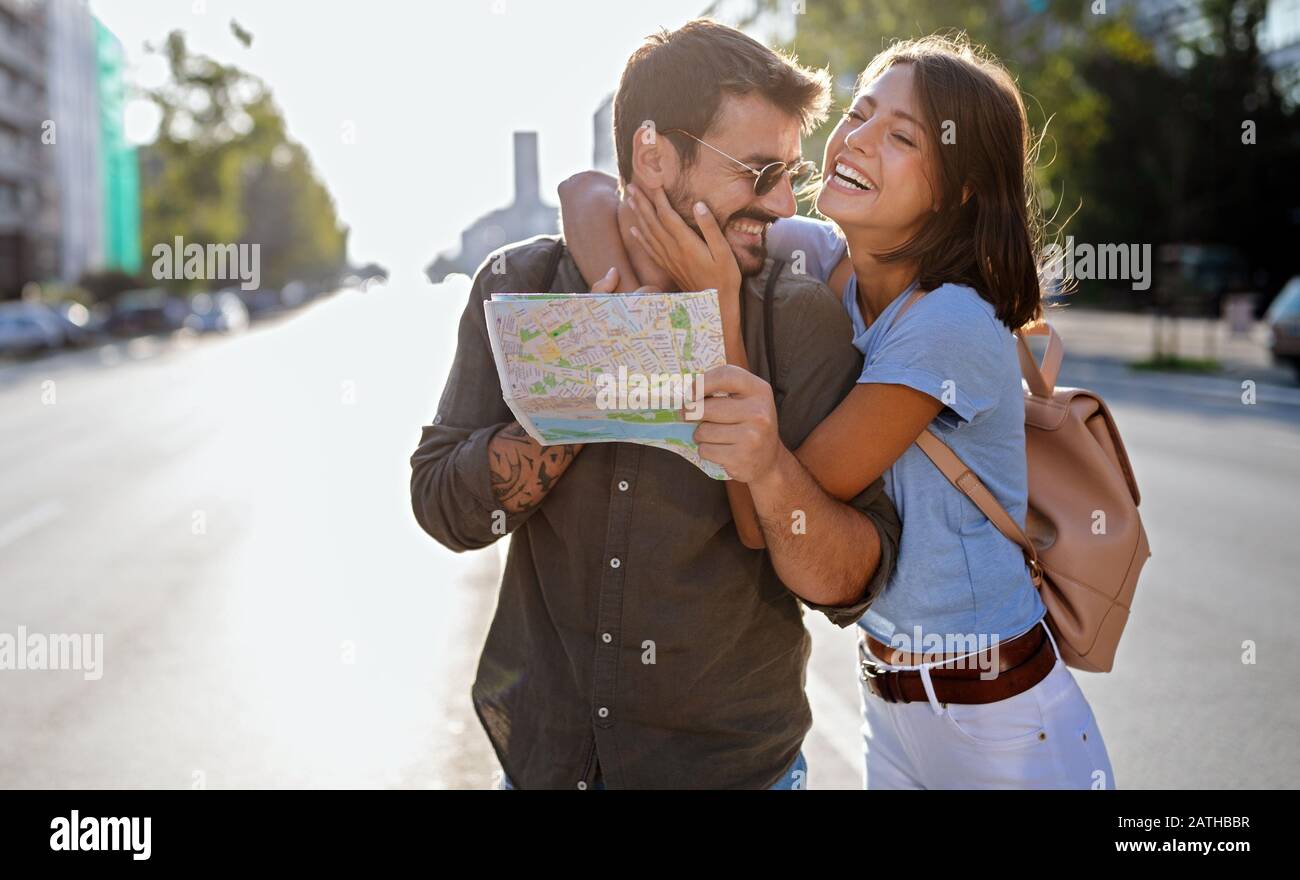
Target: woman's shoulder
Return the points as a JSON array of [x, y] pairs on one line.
[[813, 247], [954, 295], [951, 325], [961, 306]]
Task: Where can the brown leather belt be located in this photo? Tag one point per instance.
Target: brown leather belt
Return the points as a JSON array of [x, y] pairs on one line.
[[1022, 663]]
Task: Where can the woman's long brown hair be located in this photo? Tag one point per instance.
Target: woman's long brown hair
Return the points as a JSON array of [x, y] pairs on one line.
[[987, 239]]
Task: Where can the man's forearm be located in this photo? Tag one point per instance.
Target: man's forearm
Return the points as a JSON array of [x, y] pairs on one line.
[[523, 470], [823, 550]]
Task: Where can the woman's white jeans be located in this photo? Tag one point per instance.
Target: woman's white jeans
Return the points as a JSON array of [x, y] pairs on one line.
[[1045, 737]]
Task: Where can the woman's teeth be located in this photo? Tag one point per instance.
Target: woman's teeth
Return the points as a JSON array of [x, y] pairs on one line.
[[852, 176]]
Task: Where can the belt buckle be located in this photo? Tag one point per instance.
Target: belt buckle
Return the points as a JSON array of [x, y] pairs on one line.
[[871, 669], [874, 675], [880, 681]]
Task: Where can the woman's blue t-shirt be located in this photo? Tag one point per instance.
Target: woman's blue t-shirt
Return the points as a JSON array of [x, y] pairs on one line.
[[957, 576]]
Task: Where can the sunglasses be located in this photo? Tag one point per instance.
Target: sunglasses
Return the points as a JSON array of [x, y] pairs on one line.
[[766, 178]]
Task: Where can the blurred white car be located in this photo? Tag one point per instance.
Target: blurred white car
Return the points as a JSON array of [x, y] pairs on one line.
[[222, 312]]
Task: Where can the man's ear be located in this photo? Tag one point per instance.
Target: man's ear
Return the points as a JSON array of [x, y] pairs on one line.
[[654, 161]]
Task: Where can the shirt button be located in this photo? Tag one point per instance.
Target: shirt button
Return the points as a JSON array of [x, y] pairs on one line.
[[602, 712], [582, 786], [622, 485], [606, 638], [615, 563]]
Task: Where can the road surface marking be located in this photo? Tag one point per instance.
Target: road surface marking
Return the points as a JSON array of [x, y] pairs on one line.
[[30, 521]]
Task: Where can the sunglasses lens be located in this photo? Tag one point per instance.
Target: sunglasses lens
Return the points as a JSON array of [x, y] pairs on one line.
[[768, 178], [802, 175]]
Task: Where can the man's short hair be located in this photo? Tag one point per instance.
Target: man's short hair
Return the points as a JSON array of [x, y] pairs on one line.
[[676, 79]]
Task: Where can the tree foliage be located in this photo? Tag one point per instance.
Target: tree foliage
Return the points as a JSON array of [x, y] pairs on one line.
[[223, 169], [1139, 145]]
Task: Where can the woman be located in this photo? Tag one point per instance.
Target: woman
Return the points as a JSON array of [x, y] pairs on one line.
[[925, 177]]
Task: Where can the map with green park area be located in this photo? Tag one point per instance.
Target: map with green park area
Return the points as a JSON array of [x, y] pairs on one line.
[[572, 365]]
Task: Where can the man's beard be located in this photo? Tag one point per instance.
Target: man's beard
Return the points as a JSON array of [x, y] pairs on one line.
[[749, 258]]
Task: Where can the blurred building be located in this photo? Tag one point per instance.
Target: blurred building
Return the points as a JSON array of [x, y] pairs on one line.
[[1170, 22], [74, 109], [69, 182], [120, 169], [524, 217], [1281, 37], [28, 209]]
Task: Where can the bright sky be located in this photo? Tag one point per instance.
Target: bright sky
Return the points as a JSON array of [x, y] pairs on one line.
[[432, 90]]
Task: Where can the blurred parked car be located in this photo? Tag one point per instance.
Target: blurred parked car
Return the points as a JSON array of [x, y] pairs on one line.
[[1283, 320], [295, 293], [259, 302], [28, 328], [138, 312], [363, 281], [221, 312], [371, 274], [79, 324], [1192, 279]]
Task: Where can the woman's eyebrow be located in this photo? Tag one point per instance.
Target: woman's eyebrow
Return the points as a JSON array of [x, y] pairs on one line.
[[901, 114]]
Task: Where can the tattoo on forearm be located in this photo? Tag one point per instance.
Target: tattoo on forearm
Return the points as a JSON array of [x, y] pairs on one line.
[[523, 470]]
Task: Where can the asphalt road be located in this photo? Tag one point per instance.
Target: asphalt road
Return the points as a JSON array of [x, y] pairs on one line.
[[231, 515]]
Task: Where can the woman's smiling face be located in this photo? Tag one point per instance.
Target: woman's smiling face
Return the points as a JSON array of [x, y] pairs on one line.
[[878, 165]]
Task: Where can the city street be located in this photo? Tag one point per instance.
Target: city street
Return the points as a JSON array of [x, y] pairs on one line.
[[232, 514]]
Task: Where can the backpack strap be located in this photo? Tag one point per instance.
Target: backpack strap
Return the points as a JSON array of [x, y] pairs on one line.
[[1041, 378], [552, 267], [965, 481], [769, 330]]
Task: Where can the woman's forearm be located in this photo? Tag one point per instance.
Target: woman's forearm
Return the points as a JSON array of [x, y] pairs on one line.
[[589, 218], [864, 435]]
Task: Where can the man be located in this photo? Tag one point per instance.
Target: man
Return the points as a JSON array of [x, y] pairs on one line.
[[637, 642]]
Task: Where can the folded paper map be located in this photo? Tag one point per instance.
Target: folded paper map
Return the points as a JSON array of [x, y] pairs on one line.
[[607, 368]]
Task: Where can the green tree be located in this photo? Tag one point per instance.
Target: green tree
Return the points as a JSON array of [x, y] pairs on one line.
[[1136, 148], [1236, 181], [223, 169]]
